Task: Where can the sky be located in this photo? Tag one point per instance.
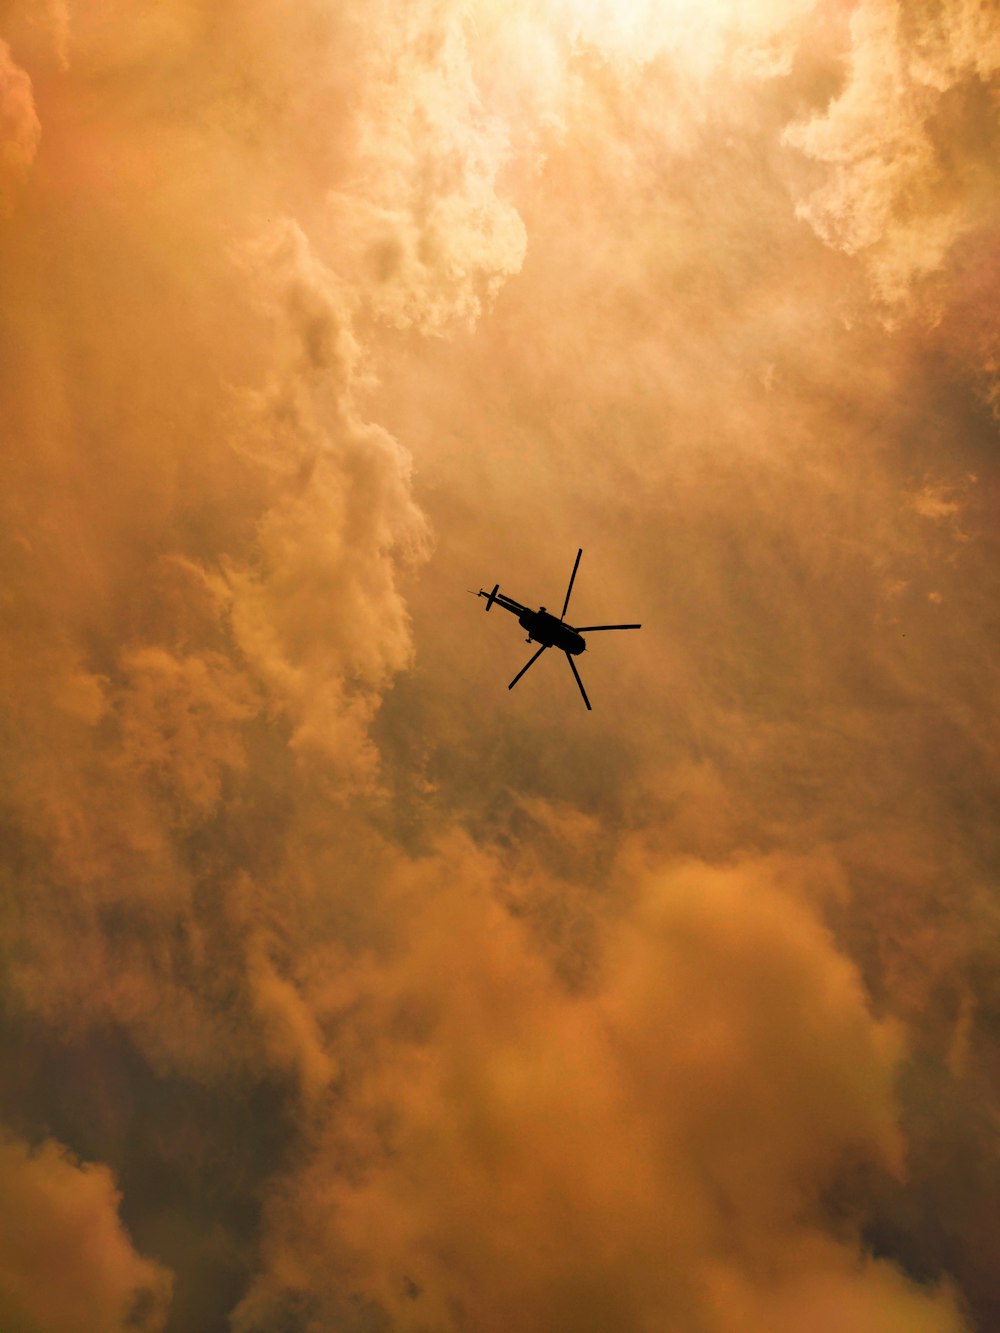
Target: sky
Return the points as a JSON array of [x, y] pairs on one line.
[[341, 989]]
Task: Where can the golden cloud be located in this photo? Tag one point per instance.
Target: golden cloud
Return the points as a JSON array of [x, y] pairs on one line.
[[654, 1152], [68, 1265]]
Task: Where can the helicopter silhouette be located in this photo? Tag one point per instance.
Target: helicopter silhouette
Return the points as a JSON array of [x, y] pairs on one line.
[[544, 628]]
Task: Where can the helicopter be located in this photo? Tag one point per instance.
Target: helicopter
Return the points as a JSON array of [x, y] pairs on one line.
[[545, 629]]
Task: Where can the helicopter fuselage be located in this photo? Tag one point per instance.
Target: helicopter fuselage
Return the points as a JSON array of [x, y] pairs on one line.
[[543, 627]]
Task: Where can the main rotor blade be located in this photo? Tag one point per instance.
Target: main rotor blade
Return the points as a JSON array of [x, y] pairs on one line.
[[572, 576], [589, 629], [526, 665], [572, 667]]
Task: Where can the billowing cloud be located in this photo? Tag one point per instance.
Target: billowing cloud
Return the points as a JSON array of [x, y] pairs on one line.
[[428, 238], [67, 1264], [341, 518], [655, 1152], [902, 186]]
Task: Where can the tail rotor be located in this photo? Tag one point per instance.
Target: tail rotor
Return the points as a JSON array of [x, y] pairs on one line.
[[490, 596]]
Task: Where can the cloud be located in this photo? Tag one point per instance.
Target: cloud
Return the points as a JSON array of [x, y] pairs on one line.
[[429, 238], [901, 188], [20, 129], [392, 999], [654, 1152], [340, 522], [68, 1265], [179, 723]]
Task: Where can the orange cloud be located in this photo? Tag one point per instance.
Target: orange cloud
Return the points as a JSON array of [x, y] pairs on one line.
[[895, 192], [67, 1264], [654, 1152], [19, 126]]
